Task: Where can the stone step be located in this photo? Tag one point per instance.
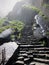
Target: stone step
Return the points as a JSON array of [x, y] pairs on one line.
[[41, 60], [40, 52], [42, 48], [19, 62], [27, 60], [35, 43], [23, 43], [46, 56], [31, 46], [32, 63], [36, 48], [22, 51], [30, 56], [23, 55], [29, 52], [21, 58], [31, 43]]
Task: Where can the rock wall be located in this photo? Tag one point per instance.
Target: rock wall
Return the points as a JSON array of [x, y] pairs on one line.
[[40, 4]]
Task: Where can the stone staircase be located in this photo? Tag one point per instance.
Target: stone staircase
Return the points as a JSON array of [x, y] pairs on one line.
[[31, 50], [31, 53], [41, 54], [25, 55]]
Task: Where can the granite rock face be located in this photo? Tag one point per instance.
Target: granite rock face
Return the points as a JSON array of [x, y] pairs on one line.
[[41, 27], [9, 47]]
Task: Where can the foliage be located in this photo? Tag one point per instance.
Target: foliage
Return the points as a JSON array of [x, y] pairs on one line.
[[44, 16], [44, 44], [32, 7], [46, 5], [13, 24], [17, 24], [47, 33], [37, 10], [41, 13], [4, 28], [2, 21]]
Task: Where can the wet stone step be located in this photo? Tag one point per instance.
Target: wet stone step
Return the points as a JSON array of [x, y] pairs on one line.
[[41, 52], [24, 44], [32, 63], [24, 55], [27, 60], [31, 46], [29, 53], [41, 55], [22, 51], [35, 43], [31, 43], [19, 63], [30, 56], [41, 60], [21, 58], [42, 49]]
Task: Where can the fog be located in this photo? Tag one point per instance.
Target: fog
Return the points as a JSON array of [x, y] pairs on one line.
[[6, 6]]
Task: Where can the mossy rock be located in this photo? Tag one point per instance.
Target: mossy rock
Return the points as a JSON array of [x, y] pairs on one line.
[[13, 24], [46, 5], [44, 16], [32, 7]]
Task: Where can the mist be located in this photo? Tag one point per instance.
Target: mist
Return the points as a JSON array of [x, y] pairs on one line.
[[6, 6]]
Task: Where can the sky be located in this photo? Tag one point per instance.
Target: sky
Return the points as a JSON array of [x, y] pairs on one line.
[[6, 6]]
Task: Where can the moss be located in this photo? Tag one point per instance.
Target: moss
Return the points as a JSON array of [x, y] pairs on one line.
[[13, 24], [2, 21], [12, 37], [2, 29], [47, 33], [37, 10], [43, 43], [44, 16], [32, 7], [17, 24], [46, 5], [41, 13], [19, 36]]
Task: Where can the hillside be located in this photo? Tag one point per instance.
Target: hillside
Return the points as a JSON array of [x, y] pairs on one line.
[[23, 11], [19, 12]]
